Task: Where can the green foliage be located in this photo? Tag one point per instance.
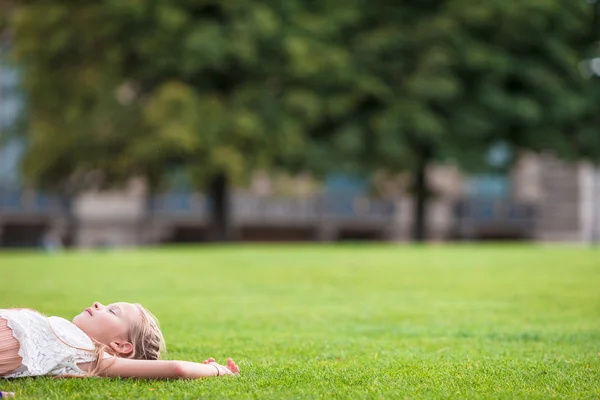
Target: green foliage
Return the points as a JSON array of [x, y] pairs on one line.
[[338, 322], [447, 79], [105, 94], [137, 87]]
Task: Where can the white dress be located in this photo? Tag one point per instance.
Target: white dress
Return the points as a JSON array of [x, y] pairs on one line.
[[43, 353]]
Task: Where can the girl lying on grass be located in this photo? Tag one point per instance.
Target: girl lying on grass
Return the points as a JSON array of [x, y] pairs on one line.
[[117, 340]]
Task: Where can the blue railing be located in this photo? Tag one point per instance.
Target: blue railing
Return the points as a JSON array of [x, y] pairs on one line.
[[491, 215], [178, 203], [257, 207], [14, 200]]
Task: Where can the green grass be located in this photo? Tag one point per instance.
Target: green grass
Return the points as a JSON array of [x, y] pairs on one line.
[[338, 322]]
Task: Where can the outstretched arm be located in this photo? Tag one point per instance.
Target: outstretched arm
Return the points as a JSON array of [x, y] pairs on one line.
[[126, 368]]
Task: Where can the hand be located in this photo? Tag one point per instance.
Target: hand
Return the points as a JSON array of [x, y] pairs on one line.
[[230, 369], [7, 395]]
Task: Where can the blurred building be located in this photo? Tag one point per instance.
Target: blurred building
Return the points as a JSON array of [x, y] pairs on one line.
[[544, 200]]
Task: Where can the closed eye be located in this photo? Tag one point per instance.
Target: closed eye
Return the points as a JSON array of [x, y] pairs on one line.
[[113, 311]]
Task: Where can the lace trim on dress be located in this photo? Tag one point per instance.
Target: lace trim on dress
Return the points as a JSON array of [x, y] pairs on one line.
[[41, 344]]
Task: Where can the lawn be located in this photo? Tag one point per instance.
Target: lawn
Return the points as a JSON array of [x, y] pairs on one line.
[[338, 322]]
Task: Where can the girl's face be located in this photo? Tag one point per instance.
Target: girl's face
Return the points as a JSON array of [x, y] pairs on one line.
[[109, 324]]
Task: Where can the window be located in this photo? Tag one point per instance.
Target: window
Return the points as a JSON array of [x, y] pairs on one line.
[[495, 183]]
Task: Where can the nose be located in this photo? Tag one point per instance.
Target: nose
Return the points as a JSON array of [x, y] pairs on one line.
[[97, 305]]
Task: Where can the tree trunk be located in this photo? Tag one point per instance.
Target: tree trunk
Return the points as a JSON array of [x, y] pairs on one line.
[[421, 198], [144, 230], [69, 238], [218, 191]]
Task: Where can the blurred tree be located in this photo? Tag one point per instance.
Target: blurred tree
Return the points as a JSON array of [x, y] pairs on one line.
[[138, 88], [445, 81]]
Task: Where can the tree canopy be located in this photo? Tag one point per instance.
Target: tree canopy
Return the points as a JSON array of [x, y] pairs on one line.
[[446, 80]]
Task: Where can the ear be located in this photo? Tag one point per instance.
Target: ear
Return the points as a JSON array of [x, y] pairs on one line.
[[122, 347]]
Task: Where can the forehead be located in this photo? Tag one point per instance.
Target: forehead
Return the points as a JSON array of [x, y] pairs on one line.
[[130, 311]]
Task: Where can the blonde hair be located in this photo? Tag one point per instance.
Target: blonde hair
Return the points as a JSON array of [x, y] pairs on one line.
[[145, 336]]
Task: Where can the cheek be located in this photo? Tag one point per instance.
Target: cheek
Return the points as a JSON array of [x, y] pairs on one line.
[[109, 327]]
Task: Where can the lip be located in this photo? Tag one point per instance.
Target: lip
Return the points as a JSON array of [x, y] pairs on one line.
[[89, 311]]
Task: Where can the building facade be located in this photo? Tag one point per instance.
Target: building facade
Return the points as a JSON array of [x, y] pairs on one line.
[[548, 201]]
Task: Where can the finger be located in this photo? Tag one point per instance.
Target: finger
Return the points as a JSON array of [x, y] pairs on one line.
[[211, 360], [232, 365]]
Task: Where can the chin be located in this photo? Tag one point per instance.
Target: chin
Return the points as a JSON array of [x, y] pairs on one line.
[[76, 319]]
